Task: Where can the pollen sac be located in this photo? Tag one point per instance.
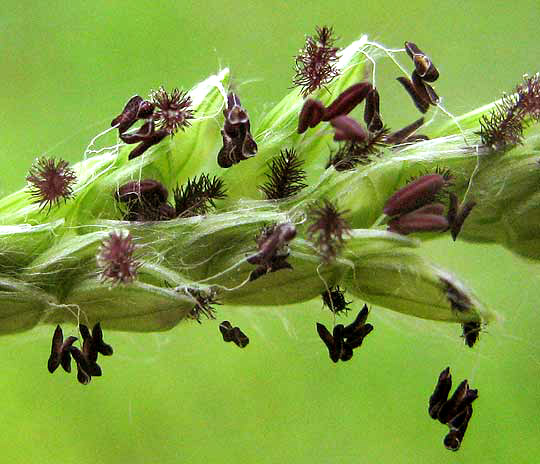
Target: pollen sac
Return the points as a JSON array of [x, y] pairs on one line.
[[142, 134], [347, 101], [86, 359], [457, 214], [432, 208], [89, 351], [311, 115], [83, 375], [348, 129], [403, 135], [233, 334], [355, 332], [372, 116], [234, 113], [420, 102], [462, 397], [152, 139], [329, 341], [226, 331], [414, 195], [97, 343], [422, 63], [418, 222], [356, 339], [356, 326], [240, 339], [454, 412], [458, 427], [147, 135], [416, 138], [136, 108], [424, 90], [238, 144], [273, 250], [149, 189], [440, 394], [60, 354], [344, 340], [146, 200]]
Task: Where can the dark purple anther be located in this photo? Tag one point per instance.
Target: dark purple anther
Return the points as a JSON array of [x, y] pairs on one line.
[[311, 115], [432, 208], [403, 134], [238, 144], [234, 113], [462, 214], [360, 320], [60, 351], [226, 331], [148, 190], [146, 200], [458, 427], [143, 133], [421, 103], [414, 195], [83, 376], [128, 116], [270, 244], [347, 100], [97, 341], [346, 351], [413, 222], [416, 138], [329, 341], [239, 338], [456, 403], [440, 394], [422, 63], [348, 129], [151, 140], [424, 90], [372, 116], [136, 108], [356, 340], [452, 208]]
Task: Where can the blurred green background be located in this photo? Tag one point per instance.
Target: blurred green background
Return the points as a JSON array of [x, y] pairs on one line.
[[184, 395]]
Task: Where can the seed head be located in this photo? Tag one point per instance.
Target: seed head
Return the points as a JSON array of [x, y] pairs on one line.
[[173, 110], [116, 258], [316, 63], [50, 181]]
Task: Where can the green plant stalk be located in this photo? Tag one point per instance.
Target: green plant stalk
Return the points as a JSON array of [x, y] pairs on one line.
[[48, 268]]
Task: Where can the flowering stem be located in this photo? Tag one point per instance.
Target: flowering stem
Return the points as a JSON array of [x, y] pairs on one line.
[[331, 220]]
